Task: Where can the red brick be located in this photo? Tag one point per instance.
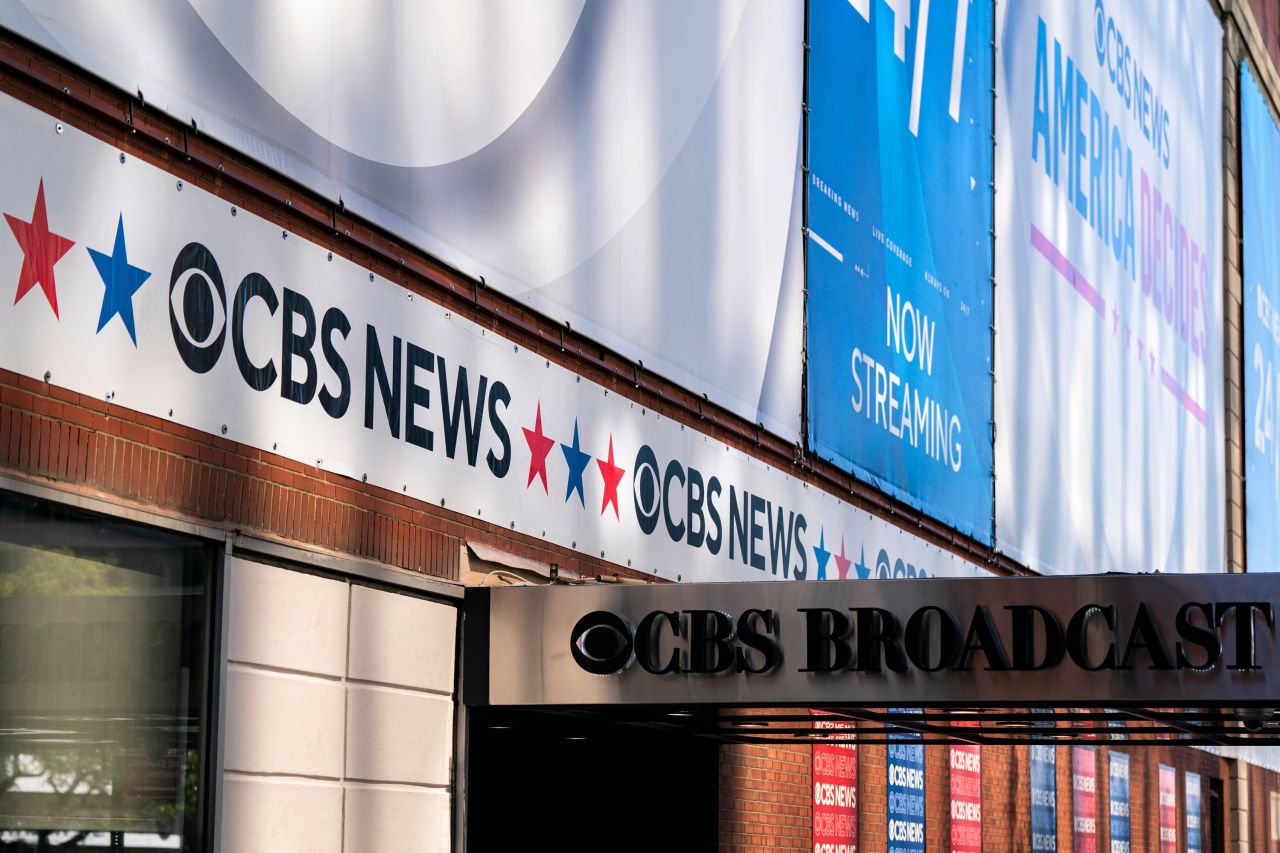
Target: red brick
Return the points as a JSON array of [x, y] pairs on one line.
[[228, 493], [81, 473], [27, 383], [37, 452], [182, 493], [186, 447], [104, 449], [112, 461], [279, 509], [290, 465], [208, 454], [6, 423], [236, 462], [98, 459], [132, 465], [70, 452], [162, 439], [64, 395], [210, 492], [260, 497], [46, 406], [78, 416], [156, 462], [173, 479], [133, 432], [53, 436], [204, 490], [95, 404], [263, 503]]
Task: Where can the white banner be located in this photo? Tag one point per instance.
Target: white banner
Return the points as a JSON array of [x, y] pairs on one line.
[[1108, 323], [631, 167], [167, 300]]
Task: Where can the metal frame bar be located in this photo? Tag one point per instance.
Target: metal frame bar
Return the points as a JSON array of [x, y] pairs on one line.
[[997, 727]]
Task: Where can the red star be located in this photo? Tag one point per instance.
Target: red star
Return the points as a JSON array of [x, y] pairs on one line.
[[843, 562], [612, 476], [539, 447], [41, 249]]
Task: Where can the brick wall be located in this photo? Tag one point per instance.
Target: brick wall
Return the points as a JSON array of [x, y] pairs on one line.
[[1262, 784], [873, 814], [1267, 15], [1006, 791], [766, 798], [766, 795], [937, 800]]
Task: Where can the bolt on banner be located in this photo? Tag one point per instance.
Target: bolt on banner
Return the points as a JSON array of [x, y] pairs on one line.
[[1259, 175], [1044, 798], [899, 250], [966, 797], [1108, 311], [835, 789], [1118, 797], [1168, 809], [905, 763], [1084, 799]]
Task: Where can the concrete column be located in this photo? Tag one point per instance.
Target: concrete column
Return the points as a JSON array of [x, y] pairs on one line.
[[1238, 807]]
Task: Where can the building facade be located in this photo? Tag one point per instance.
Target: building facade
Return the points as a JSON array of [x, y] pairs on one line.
[[287, 370]]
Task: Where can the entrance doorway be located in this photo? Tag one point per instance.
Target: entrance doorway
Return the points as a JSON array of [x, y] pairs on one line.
[[583, 784]]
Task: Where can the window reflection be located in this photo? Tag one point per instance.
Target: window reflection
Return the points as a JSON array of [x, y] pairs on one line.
[[103, 652]]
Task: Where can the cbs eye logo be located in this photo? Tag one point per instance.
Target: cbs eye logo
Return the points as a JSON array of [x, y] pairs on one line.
[[601, 643], [197, 308]]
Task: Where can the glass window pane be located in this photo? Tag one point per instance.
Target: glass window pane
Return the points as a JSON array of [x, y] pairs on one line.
[[103, 659]]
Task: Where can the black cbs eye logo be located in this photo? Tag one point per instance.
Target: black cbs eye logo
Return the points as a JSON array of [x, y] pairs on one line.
[[197, 308], [601, 643], [646, 487]]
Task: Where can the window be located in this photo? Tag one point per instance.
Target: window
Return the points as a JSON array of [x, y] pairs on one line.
[[103, 664]]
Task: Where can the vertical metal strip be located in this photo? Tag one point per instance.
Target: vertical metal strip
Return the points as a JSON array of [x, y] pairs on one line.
[[805, 443], [216, 701], [991, 228], [460, 770]]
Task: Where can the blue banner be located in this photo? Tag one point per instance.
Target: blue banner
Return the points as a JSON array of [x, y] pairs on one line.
[[906, 792], [1193, 813], [1044, 798], [1119, 801], [1259, 174], [899, 251]]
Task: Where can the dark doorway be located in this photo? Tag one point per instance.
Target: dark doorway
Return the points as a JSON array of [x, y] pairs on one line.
[[584, 785], [1217, 806]]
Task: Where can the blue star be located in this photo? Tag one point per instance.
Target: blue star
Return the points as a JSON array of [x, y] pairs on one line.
[[122, 281], [821, 554], [863, 570], [577, 462]]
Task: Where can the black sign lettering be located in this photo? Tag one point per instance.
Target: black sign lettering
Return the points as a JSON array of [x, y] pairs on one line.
[[203, 301], [826, 640], [983, 637], [375, 370], [499, 465], [253, 286], [335, 405], [294, 345]]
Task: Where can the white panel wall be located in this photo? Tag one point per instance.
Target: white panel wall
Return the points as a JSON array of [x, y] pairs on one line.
[[338, 726]]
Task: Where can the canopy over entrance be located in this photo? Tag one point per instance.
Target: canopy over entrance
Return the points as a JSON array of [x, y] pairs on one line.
[[1191, 659]]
